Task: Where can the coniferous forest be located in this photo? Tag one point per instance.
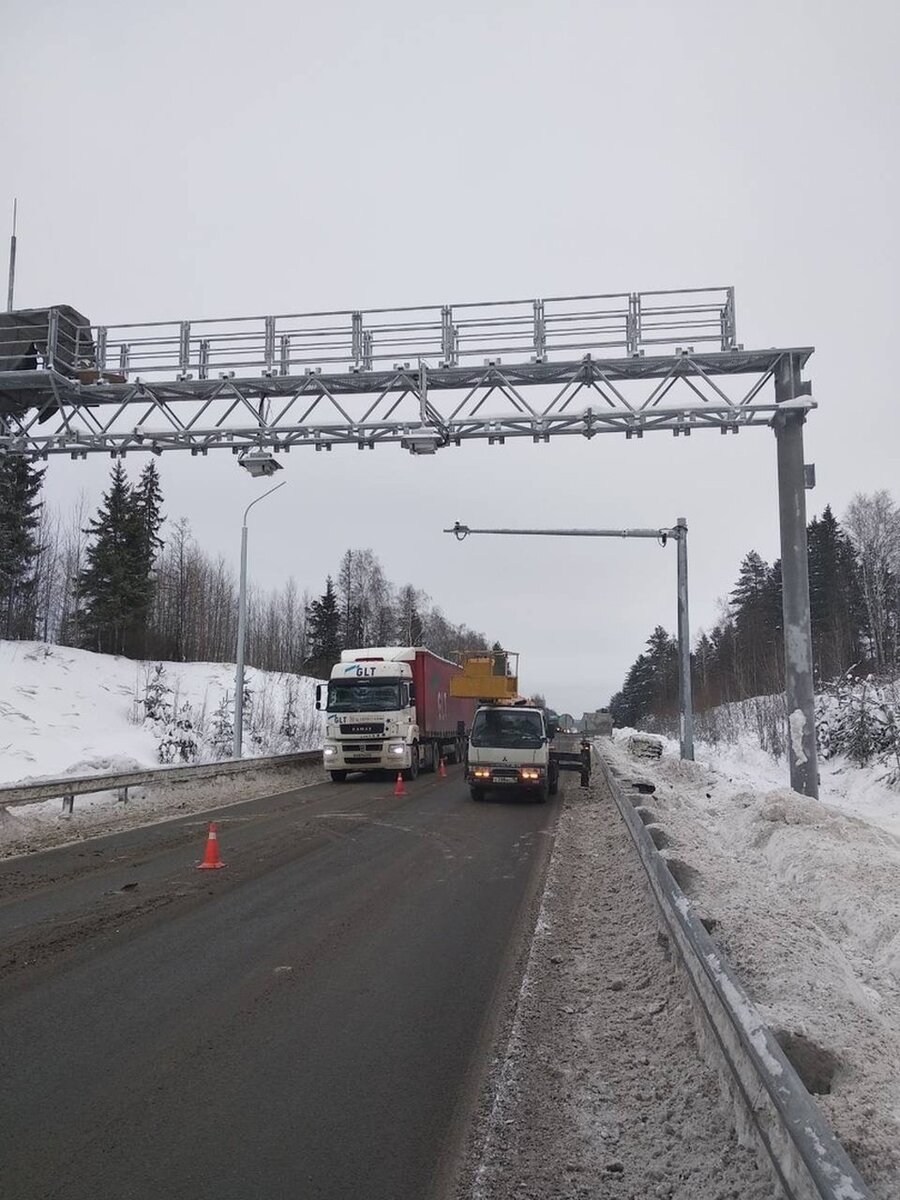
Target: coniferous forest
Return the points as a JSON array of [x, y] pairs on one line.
[[126, 580]]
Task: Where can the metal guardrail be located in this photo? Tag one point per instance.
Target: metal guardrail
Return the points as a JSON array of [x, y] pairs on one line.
[[77, 785], [808, 1158], [556, 328]]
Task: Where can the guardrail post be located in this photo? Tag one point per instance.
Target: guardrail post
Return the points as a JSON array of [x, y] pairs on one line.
[[539, 331], [122, 796], [270, 343], [68, 804], [184, 346], [633, 323], [729, 322], [52, 338], [448, 337]]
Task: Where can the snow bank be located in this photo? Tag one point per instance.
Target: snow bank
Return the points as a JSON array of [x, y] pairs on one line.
[[66, 711], [805, 900]]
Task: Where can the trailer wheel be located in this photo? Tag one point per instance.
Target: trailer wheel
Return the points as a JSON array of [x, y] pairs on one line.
[[476, 793], [412, 770], [338, 776]]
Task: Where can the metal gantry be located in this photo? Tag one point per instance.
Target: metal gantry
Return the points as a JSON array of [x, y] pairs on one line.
[[424, 378], [678, 533]]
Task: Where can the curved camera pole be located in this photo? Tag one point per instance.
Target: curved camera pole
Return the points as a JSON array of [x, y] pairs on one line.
[[678, 533]]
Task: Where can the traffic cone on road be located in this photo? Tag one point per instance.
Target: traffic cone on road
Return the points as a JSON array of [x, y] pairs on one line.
[[399, 789], [211, 858], [442, 770]]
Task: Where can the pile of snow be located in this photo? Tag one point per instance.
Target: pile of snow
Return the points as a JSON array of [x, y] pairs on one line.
[[804, 898], [70, 712]]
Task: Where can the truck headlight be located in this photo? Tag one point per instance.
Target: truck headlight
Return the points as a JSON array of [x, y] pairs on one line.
[[329, 752], [481, 772], [398, 748], [530, 774]]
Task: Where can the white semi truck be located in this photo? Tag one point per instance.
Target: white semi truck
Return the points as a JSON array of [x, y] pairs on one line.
[[391, 708]]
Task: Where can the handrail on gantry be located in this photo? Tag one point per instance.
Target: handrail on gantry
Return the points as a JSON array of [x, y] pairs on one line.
[[557, 328]]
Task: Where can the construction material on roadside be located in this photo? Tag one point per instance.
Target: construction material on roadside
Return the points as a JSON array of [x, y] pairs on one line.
[[642, 746]]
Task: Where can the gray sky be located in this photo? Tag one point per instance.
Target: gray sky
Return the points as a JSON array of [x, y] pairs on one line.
[[213, 159]]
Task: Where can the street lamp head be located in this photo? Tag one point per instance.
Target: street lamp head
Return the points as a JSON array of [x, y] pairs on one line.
[[259, 464]]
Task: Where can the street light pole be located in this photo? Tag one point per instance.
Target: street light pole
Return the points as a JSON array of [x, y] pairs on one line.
[[679, 534], [242, 629]]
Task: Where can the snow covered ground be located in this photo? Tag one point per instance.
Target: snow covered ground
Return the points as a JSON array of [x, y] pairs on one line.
[[805, 900], [70, 712]]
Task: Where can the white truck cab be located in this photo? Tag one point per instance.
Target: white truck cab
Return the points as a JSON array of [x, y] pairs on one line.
[[509, 749], [370, 718]]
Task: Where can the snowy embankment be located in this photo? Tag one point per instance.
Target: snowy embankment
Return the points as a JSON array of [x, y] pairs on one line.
[[804, 898], [70, 712]]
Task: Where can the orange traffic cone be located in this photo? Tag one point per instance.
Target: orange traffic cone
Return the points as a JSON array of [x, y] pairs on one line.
[[442, 771], [211, 858], [399, 789]]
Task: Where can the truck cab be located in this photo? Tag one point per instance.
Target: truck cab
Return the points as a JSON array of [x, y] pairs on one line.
[[509, 749], [391, 708]]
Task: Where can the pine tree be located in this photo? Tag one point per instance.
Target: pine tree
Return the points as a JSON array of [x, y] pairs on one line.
[[157, 703], [324, 622], [20, 509], [112, 588], [835, 597], [149, 499], [222, 730], [755, 605]]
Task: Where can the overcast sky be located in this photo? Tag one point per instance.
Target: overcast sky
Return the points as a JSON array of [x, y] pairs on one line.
[[213, 159]]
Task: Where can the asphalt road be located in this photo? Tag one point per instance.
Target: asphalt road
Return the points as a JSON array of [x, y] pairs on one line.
[[310, 1022]]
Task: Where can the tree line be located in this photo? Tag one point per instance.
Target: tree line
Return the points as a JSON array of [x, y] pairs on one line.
[[854, 588], [125, 581]]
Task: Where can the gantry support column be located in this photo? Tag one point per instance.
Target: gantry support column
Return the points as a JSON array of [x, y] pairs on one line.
[[798, 661], [684, 646]]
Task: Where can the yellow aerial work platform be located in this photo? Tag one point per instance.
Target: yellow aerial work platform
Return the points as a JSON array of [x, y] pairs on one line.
[[487, 675]]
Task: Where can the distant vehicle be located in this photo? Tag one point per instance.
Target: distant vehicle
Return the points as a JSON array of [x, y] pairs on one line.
[[597, 724], [391, 708]]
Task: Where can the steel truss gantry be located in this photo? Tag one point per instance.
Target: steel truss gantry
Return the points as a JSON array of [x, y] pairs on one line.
[[426, 378], [628, 363], [422, 409]]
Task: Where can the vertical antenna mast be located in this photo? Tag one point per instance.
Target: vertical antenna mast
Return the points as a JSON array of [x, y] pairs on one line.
[[12, 261]]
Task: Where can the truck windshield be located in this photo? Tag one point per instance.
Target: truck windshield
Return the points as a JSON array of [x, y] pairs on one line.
[[364, 695], [507, 728]]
